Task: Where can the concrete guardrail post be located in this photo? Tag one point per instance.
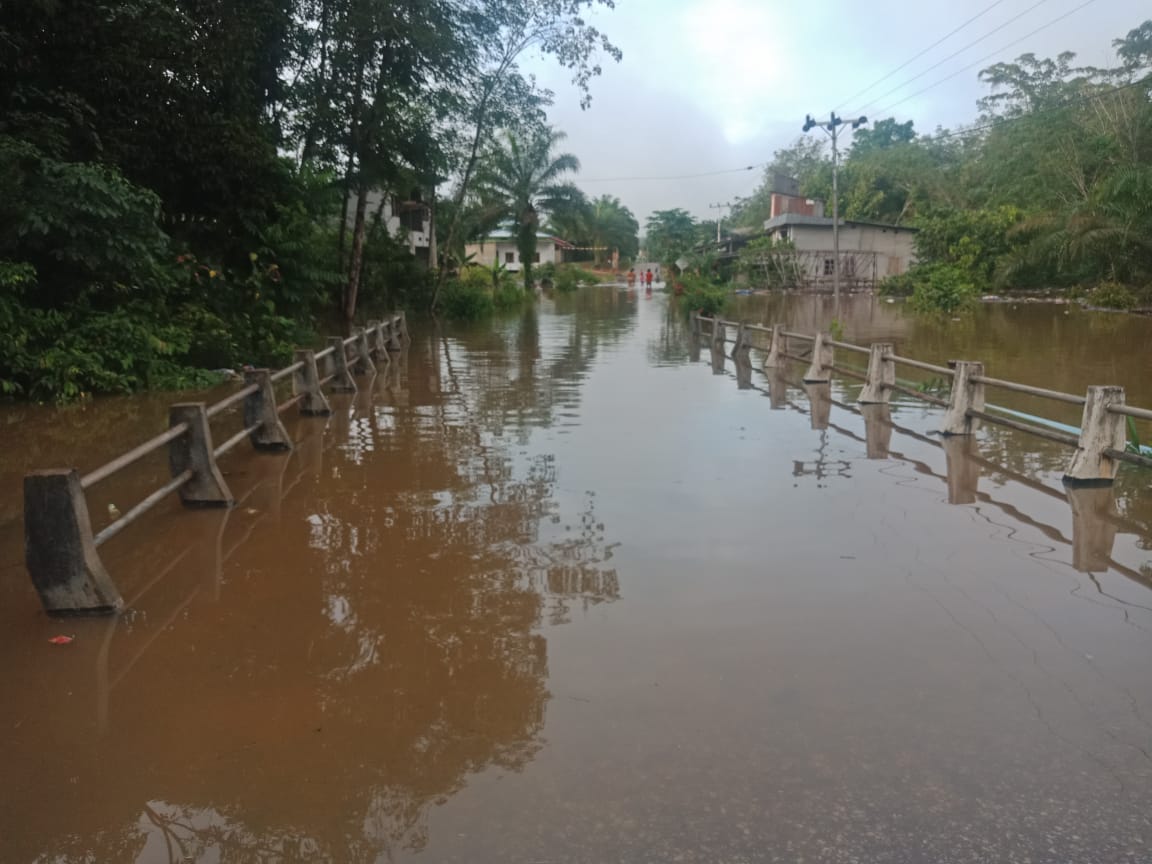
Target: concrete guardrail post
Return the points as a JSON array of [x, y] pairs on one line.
[[719, 335], [395, 340], [306, 380], [343, 382], [260, 407], [776, 347], [819, 371], [376, 339], [741, 347], [404, 334], [881, 375], [967, 395], [694, 323], [743, 374], [60, 553], [193, 451], [363, 363], [1100, 431]]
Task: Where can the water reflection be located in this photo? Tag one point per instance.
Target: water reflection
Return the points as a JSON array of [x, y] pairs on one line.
[[311, 672], [877, 430], [1094, 511]]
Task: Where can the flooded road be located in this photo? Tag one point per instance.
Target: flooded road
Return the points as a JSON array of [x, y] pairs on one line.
[[559, 589]]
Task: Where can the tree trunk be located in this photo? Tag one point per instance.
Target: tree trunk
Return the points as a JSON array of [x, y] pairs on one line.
[[356, 261], [462, 192], [433, 257], [342, 237], [526, 245]]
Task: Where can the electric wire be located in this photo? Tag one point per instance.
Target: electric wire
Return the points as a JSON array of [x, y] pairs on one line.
[[987, 56], [673, 177], [916, 57], [954, 54], [1007, 121]]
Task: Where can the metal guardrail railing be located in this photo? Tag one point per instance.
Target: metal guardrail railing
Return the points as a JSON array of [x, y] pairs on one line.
[[60, 548], [1101, 442]]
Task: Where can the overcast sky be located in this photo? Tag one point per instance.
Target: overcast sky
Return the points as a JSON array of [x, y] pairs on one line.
[[712, 85]]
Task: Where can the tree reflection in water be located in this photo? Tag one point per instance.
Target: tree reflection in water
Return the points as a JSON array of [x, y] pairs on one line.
[[381, 645]]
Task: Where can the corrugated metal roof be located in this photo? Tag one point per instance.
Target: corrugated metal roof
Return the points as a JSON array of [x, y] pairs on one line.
[[826, 222], [500, 235]]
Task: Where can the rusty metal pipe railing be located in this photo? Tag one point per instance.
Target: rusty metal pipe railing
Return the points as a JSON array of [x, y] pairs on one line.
[[1043, 393], [134, 455], [234, 440], [920, 364], [228, 401], [1131, 411], [114, 528], [848, 346], [286, 371]]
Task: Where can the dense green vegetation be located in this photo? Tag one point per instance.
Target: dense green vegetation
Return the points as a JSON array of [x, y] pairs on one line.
[[189, 186], [1050, 188]]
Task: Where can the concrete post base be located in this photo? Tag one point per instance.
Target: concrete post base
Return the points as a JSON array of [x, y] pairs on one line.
[[343, 382], [776, 347], [1100, 431], [820, 371], [306, 380], [193, 451], [967, 395], [260, 407], [61, 556], [881, 375]]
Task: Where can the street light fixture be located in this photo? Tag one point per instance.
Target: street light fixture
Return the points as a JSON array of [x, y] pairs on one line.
[[832, 129]]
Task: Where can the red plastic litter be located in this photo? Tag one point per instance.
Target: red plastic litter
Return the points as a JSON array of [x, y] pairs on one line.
[[61, 640]]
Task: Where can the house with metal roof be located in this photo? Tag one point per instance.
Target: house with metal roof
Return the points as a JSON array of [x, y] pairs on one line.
[[869, 251], [499, 246]]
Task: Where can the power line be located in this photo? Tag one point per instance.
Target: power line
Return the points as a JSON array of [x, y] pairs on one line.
[[672, 177], [988, 56], [955, 53], [1007, 121], [916, 57]]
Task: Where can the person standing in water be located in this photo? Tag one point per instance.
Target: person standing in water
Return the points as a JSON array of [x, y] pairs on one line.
[[648, 277]]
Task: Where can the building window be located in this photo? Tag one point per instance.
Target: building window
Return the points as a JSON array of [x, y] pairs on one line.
[[509, 257], [412, 217], [849, 267], [537, 258], [829, 266]]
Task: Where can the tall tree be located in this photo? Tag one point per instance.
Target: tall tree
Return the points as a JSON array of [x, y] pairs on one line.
[[880, 136], [612, 226], [669, 234], [501, 96], [520, 179]]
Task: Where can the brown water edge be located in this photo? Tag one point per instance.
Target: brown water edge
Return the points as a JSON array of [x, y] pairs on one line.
[[553, 592]]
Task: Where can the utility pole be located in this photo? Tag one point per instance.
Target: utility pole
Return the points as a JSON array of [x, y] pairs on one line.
[[719, 217], [832, 129]]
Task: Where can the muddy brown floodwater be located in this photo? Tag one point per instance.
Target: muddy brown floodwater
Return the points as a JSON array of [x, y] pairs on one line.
[[559, 589]]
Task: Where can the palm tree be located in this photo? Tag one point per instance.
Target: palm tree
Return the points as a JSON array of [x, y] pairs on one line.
[[612, 226], [519, 180]]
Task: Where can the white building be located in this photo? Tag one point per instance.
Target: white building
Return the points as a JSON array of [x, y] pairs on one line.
[[869, 251], [499, 246], [409, 222]]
